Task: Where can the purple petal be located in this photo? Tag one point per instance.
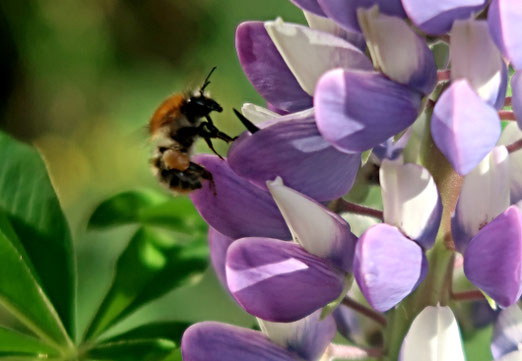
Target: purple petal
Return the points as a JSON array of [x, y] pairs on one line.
[[279, 281], [345, 12], [356, 110], [266, 69], [309, 5], [213, 341], [388, 266], [504, 19], [516, 99], [464, 127], [493, 259], [231, 203], [310, 53], [491, 180], [295, 151], [475, 57], [307, 337], [507, 333], [320, 231], [411, 201], [437, 17], [218, 244], [398, 51]]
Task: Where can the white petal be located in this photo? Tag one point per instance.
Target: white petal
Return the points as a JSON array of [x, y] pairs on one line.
[[476, 58], [484, 195], [257, 114], [308, 337], [310, 53], [327, 25], [320, 231], [433, 336], [410, 200], [397, 50], [511, 134]]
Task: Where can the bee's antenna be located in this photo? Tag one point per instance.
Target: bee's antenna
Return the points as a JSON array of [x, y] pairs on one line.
[[207, 82], [251, 127]]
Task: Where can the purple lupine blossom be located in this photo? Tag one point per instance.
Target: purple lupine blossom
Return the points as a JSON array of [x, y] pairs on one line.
[[355, 100]]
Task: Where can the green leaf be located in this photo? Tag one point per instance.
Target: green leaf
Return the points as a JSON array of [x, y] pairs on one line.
[[151, 265], [132, 350], [20, 292], [174, 356], [28, 197], [147, 208], [171, 330], [13, 343]]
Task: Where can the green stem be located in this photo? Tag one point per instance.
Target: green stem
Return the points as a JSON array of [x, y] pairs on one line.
[[435, 289]]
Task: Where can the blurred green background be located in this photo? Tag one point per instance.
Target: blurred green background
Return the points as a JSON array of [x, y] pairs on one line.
[[80, 80]]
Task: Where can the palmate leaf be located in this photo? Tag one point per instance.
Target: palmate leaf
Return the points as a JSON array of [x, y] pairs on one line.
[[21, 293], [171, 330], [148, 207], [28, 198], [13, 343], [132, 350], [158, 341], [151, 265]]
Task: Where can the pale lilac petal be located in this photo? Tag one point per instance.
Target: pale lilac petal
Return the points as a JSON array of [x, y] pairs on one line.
[[512, 356], [293, 149], [213, 341], [392, 149], [218, 244], [320, 231], [387, 266], [398, 51], [437, 17], [507, 333], [266, 69], [230, 203], [504, 19], [475, 57], [356, 111], [345, 12], [490, 180], [493, 259], [279, 281], [511, 134], [310, 53], [307, 337], [464, 127], [327, 25], [309, 5], [435, 335], [411, 201], [346, 322], [516, 99]]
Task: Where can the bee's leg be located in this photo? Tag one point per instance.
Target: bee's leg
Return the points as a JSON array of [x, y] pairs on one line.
[[216, 133], [211, 146]]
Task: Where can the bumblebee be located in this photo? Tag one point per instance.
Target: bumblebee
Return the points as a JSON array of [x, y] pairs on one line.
[[175, 126]]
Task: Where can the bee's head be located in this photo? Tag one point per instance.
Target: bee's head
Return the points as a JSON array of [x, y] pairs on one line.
[[199, 105]]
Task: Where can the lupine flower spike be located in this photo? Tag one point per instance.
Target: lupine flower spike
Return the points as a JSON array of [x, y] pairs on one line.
[[378, 185]]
